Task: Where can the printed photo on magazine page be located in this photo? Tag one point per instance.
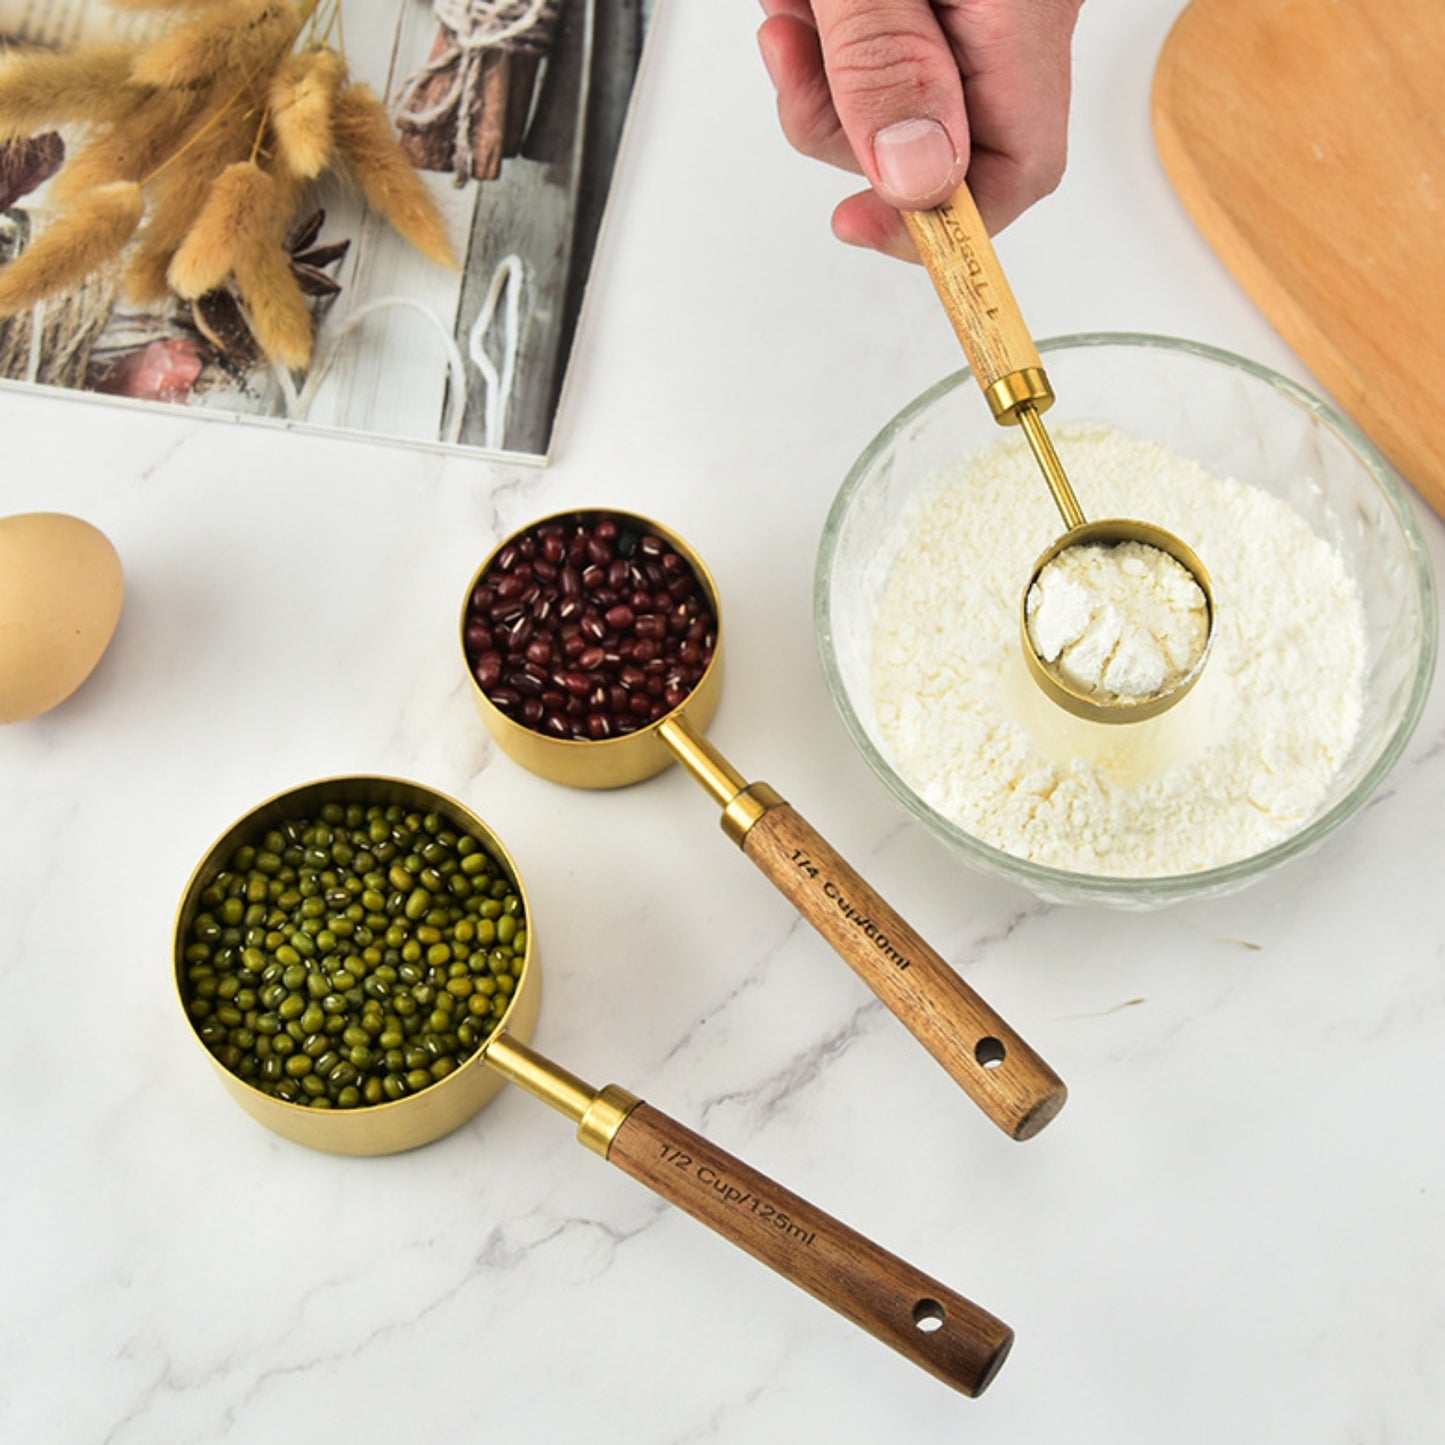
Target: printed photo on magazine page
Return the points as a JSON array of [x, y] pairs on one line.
[[368, 216]]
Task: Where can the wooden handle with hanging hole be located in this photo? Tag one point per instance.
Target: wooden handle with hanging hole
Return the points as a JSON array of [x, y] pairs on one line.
[[997, 1069], [939, 1330]]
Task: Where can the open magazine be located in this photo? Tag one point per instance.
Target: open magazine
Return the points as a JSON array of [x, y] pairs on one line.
[[512, 112]]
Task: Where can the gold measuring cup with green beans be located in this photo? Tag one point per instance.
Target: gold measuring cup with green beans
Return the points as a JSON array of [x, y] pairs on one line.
[[593, 640], [359, 958]]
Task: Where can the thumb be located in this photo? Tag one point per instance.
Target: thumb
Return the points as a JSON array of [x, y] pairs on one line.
[[899, 96]]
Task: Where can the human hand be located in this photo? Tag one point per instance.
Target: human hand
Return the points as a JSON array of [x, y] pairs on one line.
[[916, 95]]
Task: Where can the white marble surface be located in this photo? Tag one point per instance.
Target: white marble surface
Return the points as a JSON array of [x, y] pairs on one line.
[[1233, 1230]]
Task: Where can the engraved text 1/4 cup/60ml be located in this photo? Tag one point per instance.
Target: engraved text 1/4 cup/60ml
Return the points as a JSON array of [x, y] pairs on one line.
[[510, 634]]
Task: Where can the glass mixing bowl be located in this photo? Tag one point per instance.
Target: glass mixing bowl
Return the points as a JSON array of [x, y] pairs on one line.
[[1236, 419]]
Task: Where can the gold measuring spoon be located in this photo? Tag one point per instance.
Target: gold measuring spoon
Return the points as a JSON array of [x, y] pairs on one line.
[[959, 256], [930, 1324], [997, 1068]]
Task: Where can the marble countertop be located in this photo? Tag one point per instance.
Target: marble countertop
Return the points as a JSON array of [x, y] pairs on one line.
[[1232, 1230]]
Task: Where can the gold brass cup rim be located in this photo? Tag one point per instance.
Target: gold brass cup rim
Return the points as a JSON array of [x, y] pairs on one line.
[[1106, 532], [418, 1118], [601, 763]]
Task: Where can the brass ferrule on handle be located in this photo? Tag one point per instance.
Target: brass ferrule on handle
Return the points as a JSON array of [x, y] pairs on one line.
[[743, 803], [1020, 399], [967, 1037], [1011, 394], [597, 1113], [955, 247]]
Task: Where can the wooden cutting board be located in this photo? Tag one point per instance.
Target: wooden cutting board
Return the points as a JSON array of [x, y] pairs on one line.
[[1307, 140]]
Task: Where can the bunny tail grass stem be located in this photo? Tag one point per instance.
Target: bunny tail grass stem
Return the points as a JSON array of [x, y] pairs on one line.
[[91, 232], [40, 89], [232, 37], [302, 97], [388, 180]]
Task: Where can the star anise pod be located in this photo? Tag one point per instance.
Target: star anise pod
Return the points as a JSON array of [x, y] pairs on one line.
[[218, 318], [308, 260]]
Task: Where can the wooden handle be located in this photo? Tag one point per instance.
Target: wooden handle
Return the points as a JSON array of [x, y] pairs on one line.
[[945, 1333], [955, 247], [998, 1070]]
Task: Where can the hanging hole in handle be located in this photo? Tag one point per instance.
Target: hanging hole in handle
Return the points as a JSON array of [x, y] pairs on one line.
[[929, 1315], [990, 1052]]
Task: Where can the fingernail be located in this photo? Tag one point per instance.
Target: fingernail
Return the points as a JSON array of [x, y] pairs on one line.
[[915, 158]]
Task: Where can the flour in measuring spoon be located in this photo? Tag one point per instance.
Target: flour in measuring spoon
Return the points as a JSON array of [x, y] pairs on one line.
[[1236, 766], [1119, 622]]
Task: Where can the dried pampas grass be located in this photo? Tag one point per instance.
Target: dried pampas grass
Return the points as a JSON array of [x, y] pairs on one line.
[[130, 147], [245, 208], [42, 88], [164, 4], [88, 235], [388, 180], [232, 35], [195, 152], [275, 305], [302, 97], [240, 195], [219, 136]]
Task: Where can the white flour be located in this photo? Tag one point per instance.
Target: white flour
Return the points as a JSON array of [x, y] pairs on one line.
[[1239, 764], [1119, 622]]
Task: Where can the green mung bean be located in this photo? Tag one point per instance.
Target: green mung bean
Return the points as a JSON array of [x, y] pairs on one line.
[[353, 958]]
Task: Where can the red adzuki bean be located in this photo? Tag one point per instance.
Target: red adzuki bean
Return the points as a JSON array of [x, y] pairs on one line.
[[588, 629]]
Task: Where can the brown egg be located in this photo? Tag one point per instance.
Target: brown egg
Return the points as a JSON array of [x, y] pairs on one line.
[[60, 593]]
